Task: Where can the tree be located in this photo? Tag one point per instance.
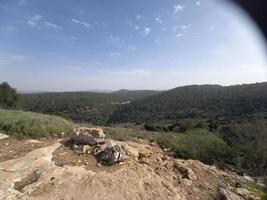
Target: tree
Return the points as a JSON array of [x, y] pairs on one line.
[[8, 96]]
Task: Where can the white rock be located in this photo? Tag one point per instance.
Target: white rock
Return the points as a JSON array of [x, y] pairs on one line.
[[3, 136]]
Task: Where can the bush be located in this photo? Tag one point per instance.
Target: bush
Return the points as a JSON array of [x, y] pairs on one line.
[[8, 96], [27, 124], [190, 124], [199, 144], [248, 145], [156, 128]]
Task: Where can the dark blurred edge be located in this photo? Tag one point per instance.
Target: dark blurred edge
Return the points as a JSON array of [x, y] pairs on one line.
[[257, 9]]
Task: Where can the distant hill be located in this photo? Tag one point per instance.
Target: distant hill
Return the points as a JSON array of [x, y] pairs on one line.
[[131, 95], [93, 107], [196, 101]]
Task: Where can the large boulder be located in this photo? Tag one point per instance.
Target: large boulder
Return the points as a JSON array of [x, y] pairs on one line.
[[111, 155], [88, 136]]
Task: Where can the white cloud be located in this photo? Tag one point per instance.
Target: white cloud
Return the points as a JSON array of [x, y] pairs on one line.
[[178, 35], [115, 39], [158, 19], [85, 24], [131, 24], [115, 54], [186, 26], [136, 27], [132, 47], [147, 31], [31, 23], [35, 20], [38, 21], [140, 17], [73, 38], [198, 3], [49, 24], [178, 8]]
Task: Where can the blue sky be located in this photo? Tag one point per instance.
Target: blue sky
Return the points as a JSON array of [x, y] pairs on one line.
[[67, 45]]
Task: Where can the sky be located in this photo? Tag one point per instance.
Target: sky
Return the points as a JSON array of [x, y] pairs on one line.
[[70, 45]]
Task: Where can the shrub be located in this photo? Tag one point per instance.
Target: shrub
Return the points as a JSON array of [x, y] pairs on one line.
[[156, 128], [8, 96], [199, 144]]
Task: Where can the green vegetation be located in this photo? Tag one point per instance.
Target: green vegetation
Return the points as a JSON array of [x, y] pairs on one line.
[[197, 144], [253, 187], [196, 101], [8, 96], [180, 126], [211, 123], [81, 106], [34, 125]]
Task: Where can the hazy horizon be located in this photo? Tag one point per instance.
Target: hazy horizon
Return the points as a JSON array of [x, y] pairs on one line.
[[58, 45], [115, 90]]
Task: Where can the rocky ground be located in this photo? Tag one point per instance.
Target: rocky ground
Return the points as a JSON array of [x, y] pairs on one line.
[[48, 169]]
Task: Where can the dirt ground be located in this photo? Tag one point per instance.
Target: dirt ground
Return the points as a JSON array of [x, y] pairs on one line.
[[11, 148], [48, 169], [65, 155]]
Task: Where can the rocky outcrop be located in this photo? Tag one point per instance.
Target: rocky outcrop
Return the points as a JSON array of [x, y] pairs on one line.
[[145, 172], [111, 155], [87, 136], [92, 140]]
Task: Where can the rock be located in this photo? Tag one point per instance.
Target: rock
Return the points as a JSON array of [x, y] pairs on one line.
[[226, 194], [187, 182], [130, 151], [88, 136], [195, 189], [62, 134], [144, 155], [86, 149], [167, 149], [172, 154], [243, 192], [248, 178], [31, 178], [33, 141], [111, 155], [261, 185], [153, 143], [3, 136], [184, 170], [95, 132]]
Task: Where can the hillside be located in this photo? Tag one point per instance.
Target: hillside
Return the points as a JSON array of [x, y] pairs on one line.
[[90, 107], [33, 125], [202, 101]]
